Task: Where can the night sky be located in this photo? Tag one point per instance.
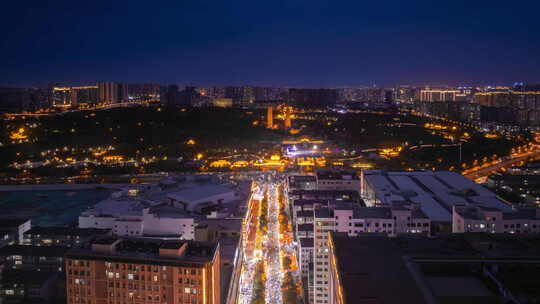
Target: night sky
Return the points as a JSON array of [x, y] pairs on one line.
[[270, 43]]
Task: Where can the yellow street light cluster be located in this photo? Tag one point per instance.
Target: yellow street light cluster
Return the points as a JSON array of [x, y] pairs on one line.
[[19, 134], [390, 152]]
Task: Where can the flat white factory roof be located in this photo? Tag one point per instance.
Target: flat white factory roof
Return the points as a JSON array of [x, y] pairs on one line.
[[435, 192]]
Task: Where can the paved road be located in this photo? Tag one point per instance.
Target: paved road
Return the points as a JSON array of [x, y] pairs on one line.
[[485, 172], [272, 245]]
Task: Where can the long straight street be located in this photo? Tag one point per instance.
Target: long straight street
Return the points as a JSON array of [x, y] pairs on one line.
[[268, 270]]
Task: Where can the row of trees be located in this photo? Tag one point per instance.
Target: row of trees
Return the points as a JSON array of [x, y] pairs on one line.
[[289, 289], [259, 289]]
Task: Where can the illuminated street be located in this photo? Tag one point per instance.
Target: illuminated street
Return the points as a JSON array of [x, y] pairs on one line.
[[273, 248], [517, 157], [267, 242]]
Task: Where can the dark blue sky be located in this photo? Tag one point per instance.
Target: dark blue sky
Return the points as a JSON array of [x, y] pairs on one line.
[[308, 43]]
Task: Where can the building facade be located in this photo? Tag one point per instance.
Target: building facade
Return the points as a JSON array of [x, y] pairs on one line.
[[112, 92], [492, 220], [338, 180], [144, 271]]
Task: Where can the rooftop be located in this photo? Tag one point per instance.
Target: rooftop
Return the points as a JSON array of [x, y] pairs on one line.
[[234, 224], [304, 213], [53, 231], [146, 251], [375, 264], [337, 175], [383, 213], [435, 192], [476, 213], [325, 194], [528, 213], [131, 200], [324, 213], [306, 242], [298, 181], [310, 202], [422, 270], [305, 227], [26, 250], [302, 178], [199, 193]]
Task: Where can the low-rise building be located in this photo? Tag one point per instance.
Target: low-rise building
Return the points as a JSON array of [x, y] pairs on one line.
[[338, 195], [12, 230], [434, 192], [338, 180], [34, 258], [169, 208], [454, 268], [210, 230], [61, 236], [492, 220], [302, 182], [389, 220], [29, 286]]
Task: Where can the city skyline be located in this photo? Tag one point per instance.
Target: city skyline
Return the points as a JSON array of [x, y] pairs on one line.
[[277, 152], [294, 44]]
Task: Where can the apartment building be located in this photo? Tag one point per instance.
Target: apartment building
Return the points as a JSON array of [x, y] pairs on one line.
[[117, 271]]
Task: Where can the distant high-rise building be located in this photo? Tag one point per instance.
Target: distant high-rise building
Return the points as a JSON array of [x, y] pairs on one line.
[[84, 95], [61, 96], [388, 95], [143, 92], [269, 94], [73, 96], [248, 95], [213, 92], [365, 95], [241, 95], [507, 106], [189, 96], [113, 92], [404, 93], [234, 93], [14, 100], [144, 271], [453, 110], [169, 95], [440, 95], [313, 97]]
